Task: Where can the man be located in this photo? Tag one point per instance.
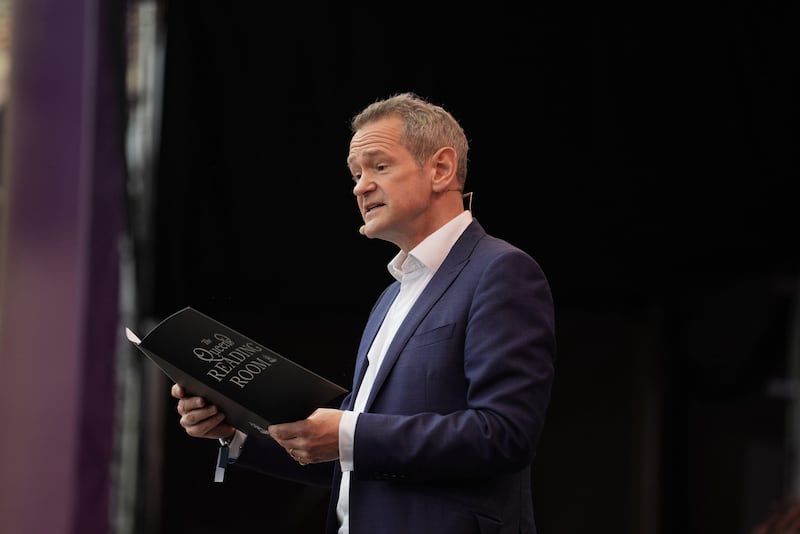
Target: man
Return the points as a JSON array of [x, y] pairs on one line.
[[455, 366]]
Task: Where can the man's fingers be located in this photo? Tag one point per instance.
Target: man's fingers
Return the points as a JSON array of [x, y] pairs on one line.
[[177, 391], [199, 427], [198, 418], [286, 431], [187, 404], [194, 416]]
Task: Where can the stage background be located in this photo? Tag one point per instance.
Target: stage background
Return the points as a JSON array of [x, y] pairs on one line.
[[643, 157]]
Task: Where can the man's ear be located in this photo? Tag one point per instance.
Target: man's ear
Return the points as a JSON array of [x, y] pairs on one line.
[[444, 164]]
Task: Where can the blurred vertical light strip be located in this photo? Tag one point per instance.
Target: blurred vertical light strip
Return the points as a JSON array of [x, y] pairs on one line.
[[137, 450]]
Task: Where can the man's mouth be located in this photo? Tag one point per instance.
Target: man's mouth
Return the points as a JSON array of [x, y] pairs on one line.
[[370, 207]]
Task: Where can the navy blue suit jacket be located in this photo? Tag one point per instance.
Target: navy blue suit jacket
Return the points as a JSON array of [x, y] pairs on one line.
[[450, 430]]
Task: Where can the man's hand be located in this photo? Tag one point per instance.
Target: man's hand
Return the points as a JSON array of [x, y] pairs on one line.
[[200, 419], [312, 440]]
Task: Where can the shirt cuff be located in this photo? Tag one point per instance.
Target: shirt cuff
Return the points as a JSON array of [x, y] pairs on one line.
[[347, 430]]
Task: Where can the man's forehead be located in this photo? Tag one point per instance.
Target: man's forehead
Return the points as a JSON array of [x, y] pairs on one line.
[[367, 153], [371, 141]]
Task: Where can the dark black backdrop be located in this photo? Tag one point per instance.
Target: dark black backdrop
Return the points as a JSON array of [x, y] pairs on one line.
[[644, 157]]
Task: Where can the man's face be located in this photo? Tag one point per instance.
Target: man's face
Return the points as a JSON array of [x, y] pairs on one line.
[[393, 194]]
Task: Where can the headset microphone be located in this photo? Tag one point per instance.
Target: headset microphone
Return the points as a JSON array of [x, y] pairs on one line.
[[363, 229]]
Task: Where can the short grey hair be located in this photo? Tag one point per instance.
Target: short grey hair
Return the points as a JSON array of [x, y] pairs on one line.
[[426, 128]]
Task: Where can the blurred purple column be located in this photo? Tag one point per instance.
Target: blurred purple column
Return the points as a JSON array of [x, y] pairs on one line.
[[63, 173]]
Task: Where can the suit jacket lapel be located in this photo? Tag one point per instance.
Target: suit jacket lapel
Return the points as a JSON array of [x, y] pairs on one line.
[[370, 331]]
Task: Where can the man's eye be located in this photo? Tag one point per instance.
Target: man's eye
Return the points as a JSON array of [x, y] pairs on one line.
[[356, 177], [381, 167]]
